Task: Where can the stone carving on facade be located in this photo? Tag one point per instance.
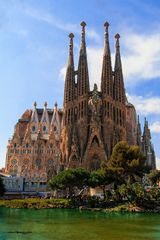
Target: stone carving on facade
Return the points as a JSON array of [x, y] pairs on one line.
[[95, 104], [74, 156]]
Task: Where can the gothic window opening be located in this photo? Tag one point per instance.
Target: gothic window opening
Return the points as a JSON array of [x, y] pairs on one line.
[[66, 118], [33, 129], [82, 109], [50, 162], [75, 114], [114, 115], [74, 158], [111, 111], [117, 116], [120, 117], [69, 116], [74, 161], [105, 108], [14, 162], [38, 162], [95, 141], [44, 128], [72, 116], [95, 163], [76, 78], [108, 109]]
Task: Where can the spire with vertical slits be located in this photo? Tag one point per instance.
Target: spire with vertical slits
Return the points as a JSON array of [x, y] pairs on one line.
[[45, 123], [70, 74], [83, 77], [119, 91], [139, 133], [34, 117], [106, 78], [55, 122], [146, 132]]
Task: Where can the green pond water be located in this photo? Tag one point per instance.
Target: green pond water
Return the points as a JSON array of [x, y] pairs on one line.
[[65, 224]]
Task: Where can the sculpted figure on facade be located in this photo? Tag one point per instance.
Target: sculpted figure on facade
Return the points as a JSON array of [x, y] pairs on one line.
[[95, 104]]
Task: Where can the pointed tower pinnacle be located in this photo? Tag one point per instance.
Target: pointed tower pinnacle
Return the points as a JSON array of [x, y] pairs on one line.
[[34, 121], [117, 37], [35, 104], [83, 78], [45, 104], [83, 42], [139, 133], [70, 59], [70, 74], [146, 132], [106, 78], [145, 122], [56, 105], [106, 39], [119, 91], [118, 64]]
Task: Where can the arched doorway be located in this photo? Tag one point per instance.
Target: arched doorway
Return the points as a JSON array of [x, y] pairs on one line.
[[95, 163]]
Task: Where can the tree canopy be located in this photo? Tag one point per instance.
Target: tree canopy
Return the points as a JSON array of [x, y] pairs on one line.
[[70, 178], [101, 178], [127, 160], [154, 176]]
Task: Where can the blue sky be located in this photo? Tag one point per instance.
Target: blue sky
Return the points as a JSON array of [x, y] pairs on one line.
[[34, 49]]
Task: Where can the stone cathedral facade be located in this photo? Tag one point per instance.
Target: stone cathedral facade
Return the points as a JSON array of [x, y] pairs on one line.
[[84, 132]]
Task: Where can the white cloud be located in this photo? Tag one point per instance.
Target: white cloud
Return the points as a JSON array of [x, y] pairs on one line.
[[62, 73], [140, 57], [145, 106], [155, 127]]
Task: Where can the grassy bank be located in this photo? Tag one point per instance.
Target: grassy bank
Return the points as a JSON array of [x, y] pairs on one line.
[[36, 203]]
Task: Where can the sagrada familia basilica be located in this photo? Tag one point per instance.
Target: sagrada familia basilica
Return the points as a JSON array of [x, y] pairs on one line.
[[82, 133]]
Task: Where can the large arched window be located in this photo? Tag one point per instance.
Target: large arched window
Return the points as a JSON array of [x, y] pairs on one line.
[[38, 162], [95, 141], [50, 163]]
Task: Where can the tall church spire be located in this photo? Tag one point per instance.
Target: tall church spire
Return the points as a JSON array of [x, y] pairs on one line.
[[119, 91], [83, 78], [106, 78], [70, 74], [146, 132], [139, 133], [148, 149]]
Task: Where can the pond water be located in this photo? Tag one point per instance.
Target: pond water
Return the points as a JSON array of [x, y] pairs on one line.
[[58, 224]]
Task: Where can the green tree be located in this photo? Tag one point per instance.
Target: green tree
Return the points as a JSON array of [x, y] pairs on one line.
[[154, 176], [70, 178], [123, 192], [101, 178], [2, 189], [136, 192], [81, 177], [127, 162]]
